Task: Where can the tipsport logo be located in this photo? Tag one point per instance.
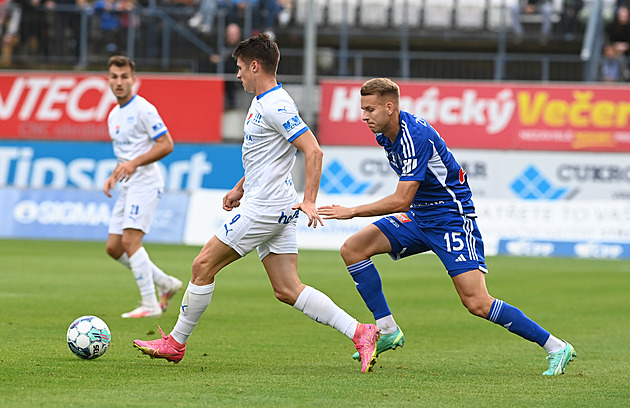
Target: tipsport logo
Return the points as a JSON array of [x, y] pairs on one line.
[[336, 179], [532, 184]]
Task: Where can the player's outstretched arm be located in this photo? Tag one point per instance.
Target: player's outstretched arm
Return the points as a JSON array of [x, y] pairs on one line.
[[400, 201], [313, 157]]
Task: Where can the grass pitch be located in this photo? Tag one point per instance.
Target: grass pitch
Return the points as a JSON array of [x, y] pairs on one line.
[[249, 350]]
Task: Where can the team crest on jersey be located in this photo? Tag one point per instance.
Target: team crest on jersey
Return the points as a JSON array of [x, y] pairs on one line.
[[462, 175], [117, 129], [256, 118], [402, 217]]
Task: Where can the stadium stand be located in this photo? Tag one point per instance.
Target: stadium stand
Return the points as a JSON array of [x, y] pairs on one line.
[[342, 11], [452, 38], [301, 11], [406, 11], [438, 14], [470, 14], [374, 13], [499, 13]]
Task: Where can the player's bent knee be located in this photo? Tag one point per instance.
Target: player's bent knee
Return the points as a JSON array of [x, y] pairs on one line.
[[285, 297], [350, 253], [113, 252], [345, 252], [201, 270], [475, 307]]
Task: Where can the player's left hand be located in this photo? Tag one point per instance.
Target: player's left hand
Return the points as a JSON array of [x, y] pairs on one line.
[[335, 212], [310, 210]]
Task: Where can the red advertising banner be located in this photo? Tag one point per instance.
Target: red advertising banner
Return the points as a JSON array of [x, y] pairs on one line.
[[59, 106], [576, 117]]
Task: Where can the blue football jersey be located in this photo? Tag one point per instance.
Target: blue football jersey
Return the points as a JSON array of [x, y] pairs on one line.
[[419, 153]]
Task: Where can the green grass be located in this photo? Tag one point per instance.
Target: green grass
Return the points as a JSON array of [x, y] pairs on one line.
[[249, 350]]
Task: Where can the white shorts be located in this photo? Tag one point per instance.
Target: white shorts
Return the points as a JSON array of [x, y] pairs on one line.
[[270, 229], [135, 209]]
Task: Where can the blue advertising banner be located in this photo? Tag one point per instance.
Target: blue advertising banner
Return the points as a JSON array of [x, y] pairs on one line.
[[86, 165], [80, 215]]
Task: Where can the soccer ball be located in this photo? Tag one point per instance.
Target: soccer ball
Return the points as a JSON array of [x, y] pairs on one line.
[[88, 337]]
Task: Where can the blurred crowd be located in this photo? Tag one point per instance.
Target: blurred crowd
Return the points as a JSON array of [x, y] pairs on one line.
[[614, 66], [53, 27]]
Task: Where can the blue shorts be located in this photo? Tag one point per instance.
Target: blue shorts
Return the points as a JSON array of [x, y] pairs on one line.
[[454, 238]]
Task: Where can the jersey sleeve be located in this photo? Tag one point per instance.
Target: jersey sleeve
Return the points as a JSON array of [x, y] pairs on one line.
[[416, 152], [284, 117], [151, 122]]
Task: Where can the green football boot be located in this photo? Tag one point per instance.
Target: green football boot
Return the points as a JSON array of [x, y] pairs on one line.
[[558, 361], [387, 342]]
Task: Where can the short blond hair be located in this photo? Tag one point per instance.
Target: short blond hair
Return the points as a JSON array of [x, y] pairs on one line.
[[381, 87]]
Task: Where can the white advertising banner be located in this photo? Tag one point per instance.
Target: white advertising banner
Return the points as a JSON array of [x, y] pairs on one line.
[[588, 229], [520, 175], [206, 217], [530, 203]]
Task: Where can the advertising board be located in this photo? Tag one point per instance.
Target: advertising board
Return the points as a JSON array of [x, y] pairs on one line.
[[86, 165], [477, 115], [80, 215], [73, 106], [582, 229], [514, 174]]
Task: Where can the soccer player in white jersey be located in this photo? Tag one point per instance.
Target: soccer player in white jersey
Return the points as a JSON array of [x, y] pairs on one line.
[[434, 212], [266, 218], [140, 139]]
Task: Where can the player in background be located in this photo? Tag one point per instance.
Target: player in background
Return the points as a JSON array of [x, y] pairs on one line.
[[266, 218], [140, 139], [435, 212]]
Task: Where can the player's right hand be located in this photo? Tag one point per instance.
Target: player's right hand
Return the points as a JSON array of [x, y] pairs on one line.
[[231, 200], [335, 212], [109, 184]]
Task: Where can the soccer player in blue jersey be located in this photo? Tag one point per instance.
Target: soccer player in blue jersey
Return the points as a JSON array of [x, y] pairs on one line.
[[433, 211]]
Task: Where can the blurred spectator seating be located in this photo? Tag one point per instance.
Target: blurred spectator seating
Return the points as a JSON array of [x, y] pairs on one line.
[[470, 14], [336, 12], [301, 11], [438, 14], [374, 13], [409, 9]]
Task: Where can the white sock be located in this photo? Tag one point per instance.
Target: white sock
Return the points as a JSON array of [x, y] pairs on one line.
[[320, 308], [141, 268], [124, 260], [194, 303], [387, 324], [159, 277], [553, 344]]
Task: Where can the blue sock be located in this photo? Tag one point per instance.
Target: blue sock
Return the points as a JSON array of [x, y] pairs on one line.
[[515, 321], [370, 287]]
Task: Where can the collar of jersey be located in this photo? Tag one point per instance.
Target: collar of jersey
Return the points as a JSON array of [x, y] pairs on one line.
[[134, 97], [272, 89]]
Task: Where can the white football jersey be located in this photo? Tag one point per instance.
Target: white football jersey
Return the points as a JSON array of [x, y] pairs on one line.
[[272, 123], [134, 128]]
